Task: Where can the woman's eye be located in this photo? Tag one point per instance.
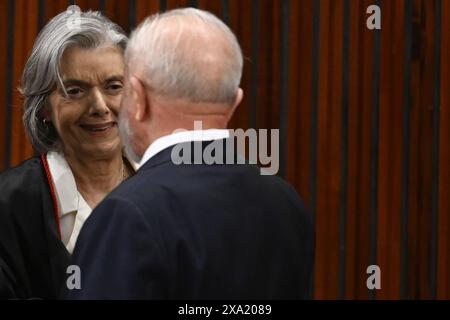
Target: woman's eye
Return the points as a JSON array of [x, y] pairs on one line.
[[74, 92]]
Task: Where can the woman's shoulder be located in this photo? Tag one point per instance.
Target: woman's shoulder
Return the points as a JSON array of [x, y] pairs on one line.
[[22, 176]]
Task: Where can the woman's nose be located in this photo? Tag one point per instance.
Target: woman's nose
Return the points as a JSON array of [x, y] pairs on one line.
[[98, 104]]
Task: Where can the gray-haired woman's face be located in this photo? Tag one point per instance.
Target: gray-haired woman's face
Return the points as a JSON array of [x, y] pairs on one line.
[[86, 119]]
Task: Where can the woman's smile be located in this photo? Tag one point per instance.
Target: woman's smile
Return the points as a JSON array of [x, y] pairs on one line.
[[99, 129]]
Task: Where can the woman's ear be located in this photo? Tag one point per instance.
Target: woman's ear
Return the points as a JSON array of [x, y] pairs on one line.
[[47, 111]]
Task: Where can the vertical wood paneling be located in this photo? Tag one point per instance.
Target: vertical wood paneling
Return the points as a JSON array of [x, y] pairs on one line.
[[359, 144], [329, 133], [356, 244], [295, 50], [19, 54], [52, 8], [266, 78], [212, 6], [344, 149], [273, 113], [295, 83], [302, 87], [314, 106], [240, 12], [415, 184], [374, 149], [9, 83], [3, 87], [145, 8], [407, 111], [355, 83], [173, 4], [333, 175], [284, 78], [437, 13], [331, 154], [443, 285], [390, 156], [27, 29], [256, 13], [89, 5], [117, 11], [324, 287], [425, 151]]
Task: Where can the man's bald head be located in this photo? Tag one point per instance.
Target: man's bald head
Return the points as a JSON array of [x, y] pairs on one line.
[[186, 54]]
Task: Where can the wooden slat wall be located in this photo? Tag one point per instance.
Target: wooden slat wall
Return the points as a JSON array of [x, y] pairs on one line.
[[3, 75], [357, 227], [364, 118], [443, 285], [389, 146]]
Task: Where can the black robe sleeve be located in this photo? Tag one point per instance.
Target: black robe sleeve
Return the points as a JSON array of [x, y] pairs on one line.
[[33, 259], [6, 282]]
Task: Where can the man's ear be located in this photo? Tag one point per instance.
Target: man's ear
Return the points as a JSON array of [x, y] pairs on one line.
[[237, 101], [139, 98]]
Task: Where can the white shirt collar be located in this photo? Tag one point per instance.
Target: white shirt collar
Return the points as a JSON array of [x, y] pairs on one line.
[[180, 137], [64, 183], [73, 209]]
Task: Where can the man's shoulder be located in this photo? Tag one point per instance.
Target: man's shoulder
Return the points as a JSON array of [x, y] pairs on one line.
[[170, 180]]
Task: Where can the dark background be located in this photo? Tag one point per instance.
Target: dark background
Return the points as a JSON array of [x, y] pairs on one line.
[[364, 119]]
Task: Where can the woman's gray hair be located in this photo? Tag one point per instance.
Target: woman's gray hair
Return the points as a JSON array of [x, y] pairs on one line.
[[187, 54], [41, 74]]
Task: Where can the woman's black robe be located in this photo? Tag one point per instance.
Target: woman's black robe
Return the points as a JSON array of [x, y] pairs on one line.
[[33, 260]]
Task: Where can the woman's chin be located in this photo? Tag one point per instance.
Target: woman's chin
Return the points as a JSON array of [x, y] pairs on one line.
[[102, 150]]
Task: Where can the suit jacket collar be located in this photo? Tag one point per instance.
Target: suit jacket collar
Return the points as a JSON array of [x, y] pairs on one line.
[[165, 155]]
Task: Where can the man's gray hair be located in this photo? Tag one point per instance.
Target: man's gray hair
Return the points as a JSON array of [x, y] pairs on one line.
[[187, 54], [41, 74]]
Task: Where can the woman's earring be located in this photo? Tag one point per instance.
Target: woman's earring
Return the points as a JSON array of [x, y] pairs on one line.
[[45, 121]]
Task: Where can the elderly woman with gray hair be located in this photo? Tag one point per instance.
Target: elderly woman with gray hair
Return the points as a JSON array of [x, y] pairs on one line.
[[72, 87]]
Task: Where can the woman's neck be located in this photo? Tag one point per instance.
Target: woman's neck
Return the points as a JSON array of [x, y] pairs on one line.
[[95, 178]]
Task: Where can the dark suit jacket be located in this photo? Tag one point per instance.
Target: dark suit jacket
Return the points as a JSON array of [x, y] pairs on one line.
[[197, 232], [33, 259]]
